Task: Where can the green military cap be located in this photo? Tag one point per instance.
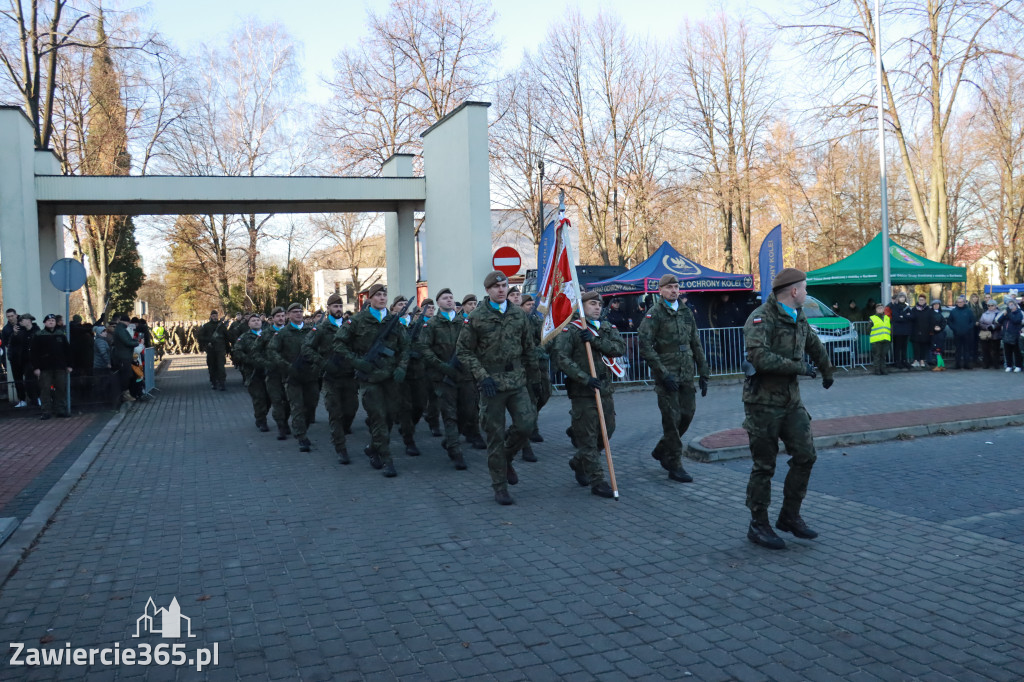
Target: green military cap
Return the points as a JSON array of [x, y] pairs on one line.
[[276, 310], [374, 289], [788, 277], [494, 277], [590, 296], [427, 301], [334, 298], [442, 292], [398, 299], [295, 306], [527, 298], [469, 298], [252, 315], [514, 290], [667, 279]]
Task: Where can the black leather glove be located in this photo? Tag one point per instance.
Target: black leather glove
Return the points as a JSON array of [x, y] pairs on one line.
[[827, 382], [585, 335], [810, 371], [456, 363], [670, 383], [595, 383], [398, 375], [703, 381], [488, 388], [363, 366]]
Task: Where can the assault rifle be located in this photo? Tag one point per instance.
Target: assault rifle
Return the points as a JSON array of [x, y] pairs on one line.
[[416, 326], [379, 348]]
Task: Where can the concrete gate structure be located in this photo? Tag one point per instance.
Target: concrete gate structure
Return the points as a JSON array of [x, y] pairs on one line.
[[454, 195]]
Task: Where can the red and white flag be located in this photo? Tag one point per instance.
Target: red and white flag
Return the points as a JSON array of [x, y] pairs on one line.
[[559, 292]]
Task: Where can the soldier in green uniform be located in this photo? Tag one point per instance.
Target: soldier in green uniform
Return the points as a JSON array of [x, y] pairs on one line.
[[452, 384], [515, 297], [213, 340], [247, 356], [275, 379], [237, 326], [471, 428], [408, 409], [377, 379], [670, 345], [497, 347], [570, 349], [339, 378], [424, 390], [777, 337], [302, 386], [542, 379]]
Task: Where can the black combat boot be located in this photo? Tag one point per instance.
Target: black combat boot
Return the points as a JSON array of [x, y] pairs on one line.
[[760, 532], [535, 436], [602, 489], [411, 449], [790, 522], [376, 461], [282, 432], [261, 424], [389, 470], [304, 445], [510, 474], [435, 430], [287, 429], [460, 462], [581, 478], [477, 441], [342, 454], [572, 438], [503, 498], [679, 474], [528, 455]]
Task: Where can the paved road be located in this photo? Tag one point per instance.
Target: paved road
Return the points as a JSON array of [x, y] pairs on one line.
[[298, 568]]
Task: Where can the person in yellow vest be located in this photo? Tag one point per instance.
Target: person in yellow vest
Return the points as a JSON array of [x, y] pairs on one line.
[[881, 339]]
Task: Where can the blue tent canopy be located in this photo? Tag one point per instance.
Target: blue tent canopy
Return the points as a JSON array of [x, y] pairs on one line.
[[1003, 288], [667, 261]]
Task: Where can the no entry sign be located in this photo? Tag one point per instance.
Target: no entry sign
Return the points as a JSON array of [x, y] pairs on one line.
[[507, 260]]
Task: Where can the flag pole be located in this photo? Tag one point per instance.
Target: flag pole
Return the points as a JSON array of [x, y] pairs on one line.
[[597, 392]]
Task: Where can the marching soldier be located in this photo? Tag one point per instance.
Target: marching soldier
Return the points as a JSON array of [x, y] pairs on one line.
[[275, 379], [159, 340], [339, 387], [497, 347], [237, 327], [408, 409], [571, 353], [301, 384], [542, 379], [423, 389], [670, 345], [777, 338], [471, 428], [213, 339], [515, 297], [247, 356], [452, 384], [377, 379]]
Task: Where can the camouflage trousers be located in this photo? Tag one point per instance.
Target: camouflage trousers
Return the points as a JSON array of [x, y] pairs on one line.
[[458, 405], [56, 401], [257, 387], [412, 405], [341, 399], [677, 410], [766, 425], [303, 397], [586, 430], [278, 399], [376, 401], [215, 360], [502, 443]]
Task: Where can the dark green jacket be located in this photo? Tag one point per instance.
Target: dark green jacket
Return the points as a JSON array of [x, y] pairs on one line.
[[498, 345], [571, 354], [319, 348], [670, 345], [776, 345], [247, 353], [236, 329], [213, 336], [353, 341], [122, 347], [284, 350], [437, 343], [261, 351]]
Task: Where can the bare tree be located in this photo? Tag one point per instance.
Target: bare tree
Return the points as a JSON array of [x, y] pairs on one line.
[[356, 245]]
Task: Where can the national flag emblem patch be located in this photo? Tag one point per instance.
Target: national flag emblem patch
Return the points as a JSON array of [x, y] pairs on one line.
[[756, 320]]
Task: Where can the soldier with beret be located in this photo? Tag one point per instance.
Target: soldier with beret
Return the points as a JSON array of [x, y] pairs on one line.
[[213, 340], [431, 411], [497, 348], [471, 429], [275, 380], [570, 350], [515, 297], [777, 337], [341, 393], [247, 356], [302, 386], [452, 384], [408, 408], [540, 383], [670, 345], [376, 379]]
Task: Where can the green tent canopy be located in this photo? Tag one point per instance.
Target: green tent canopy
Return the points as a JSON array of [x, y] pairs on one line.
[[865, 267]]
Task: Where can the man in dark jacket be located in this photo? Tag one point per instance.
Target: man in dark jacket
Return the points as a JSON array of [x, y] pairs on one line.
[[21, 350], [921, 331], [902, 327], [214, 341], [51, 360], [961, 322], [122, 347], [12, 350]]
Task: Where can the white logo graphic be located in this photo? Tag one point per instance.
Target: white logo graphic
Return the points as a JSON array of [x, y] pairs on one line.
[[169, 621], [680, 265]]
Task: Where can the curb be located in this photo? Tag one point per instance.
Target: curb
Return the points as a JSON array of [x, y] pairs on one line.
[[698, 453], [18, 544]]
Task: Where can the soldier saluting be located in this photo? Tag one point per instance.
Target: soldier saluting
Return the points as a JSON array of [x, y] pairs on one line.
[[777, 337], [670, 345]]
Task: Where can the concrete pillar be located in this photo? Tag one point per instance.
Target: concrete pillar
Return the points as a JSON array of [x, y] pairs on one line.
[[456, 231], [19, 221], [51, 240], [399, 235]]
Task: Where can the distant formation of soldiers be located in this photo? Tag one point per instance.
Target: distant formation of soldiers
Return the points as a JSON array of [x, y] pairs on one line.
[[463, 368]]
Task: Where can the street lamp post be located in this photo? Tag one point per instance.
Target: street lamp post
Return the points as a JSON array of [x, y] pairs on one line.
[[886, 275]]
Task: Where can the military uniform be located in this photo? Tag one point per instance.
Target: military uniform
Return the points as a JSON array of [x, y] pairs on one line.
[[275, 383], [352, 341], [412, 394], [213, 338], [571, 354], [670, 345], [452, 384], [247, 354], [301, 381], [341, 393], [500, 347], [775, 346]]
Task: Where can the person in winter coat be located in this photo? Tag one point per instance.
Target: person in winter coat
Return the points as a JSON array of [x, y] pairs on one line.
[[902, 327], [51, 362], [937, 341], [989, 334], [977, 309], [921, 331], [122, 348], [22, 347], [961, 323], [1012, 322]]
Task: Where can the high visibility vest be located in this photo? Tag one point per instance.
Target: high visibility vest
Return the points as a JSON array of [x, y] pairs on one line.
[[158, 334], [881, 328]]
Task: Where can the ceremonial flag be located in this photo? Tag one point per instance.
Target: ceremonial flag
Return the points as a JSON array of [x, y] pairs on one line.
[[547, 240], [558, 291], [769, 260]]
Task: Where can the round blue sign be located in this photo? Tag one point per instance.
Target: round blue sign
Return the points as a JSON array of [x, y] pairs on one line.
[[67, 275]]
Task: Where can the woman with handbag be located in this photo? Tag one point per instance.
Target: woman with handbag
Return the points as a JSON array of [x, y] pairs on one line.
[[989, 334]]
